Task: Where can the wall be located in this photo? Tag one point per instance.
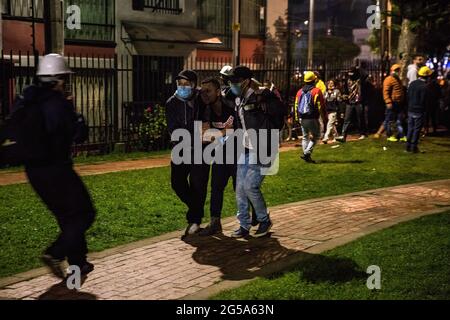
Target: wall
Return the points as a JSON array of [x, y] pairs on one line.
[[125, 12], [19, 36]]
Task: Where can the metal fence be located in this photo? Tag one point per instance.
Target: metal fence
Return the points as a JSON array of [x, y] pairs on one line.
[[113, 92]]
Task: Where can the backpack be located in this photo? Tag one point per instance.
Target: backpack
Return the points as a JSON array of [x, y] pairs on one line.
[[276, 110], [306, 105], [23, 137]]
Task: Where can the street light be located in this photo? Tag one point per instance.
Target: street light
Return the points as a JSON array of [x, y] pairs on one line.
[[311, 34]]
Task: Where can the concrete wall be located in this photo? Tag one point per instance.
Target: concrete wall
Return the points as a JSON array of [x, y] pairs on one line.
[[276, 11]]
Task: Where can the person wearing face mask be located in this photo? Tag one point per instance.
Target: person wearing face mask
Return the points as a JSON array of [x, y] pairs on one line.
[[394, 97], [255, 110], [51, 173], [189, 180]]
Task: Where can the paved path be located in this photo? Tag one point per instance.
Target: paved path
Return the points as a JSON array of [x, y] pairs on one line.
[[169, 268]]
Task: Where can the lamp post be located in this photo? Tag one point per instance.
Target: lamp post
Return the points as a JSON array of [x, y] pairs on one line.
[[236, 31], [311, 34]]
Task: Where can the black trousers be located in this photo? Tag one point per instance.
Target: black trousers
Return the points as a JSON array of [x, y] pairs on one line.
[[190, 183], [221, 174], [65, 195], [350, 110]]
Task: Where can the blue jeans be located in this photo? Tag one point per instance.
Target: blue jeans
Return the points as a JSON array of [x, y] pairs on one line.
[[248, 187], [311, 135], [394, 115], [415, 125]]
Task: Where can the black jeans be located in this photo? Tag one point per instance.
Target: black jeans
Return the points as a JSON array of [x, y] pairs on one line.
[[221, 174], [65, 195], [190, 183], [349, 111]]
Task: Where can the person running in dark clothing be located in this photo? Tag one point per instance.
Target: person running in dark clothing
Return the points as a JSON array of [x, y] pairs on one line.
[[53, 177], [189, 180], [418, 96]]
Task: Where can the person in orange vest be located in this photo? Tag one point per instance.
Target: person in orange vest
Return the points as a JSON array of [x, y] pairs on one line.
[[394, 97]]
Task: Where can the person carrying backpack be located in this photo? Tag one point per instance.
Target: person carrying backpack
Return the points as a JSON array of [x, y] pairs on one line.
[[257, 111], [309, 107], [46, 125]]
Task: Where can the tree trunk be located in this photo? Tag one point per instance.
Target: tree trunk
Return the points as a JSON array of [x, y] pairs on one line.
[[407, 47]]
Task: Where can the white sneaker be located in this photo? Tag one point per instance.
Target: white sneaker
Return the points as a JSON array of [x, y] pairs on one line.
[[363, 137], [192, 229]]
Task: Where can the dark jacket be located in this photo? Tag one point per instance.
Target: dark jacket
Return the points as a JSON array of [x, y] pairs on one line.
[[59, 122], [418, 95], [258, 110], [182, 114], [333, 99]]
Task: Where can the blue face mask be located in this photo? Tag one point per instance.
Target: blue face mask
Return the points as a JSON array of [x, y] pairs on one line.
[[184, 92], [236, 88]]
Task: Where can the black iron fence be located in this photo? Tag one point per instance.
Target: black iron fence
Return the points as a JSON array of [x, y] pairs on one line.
[[114, 92]]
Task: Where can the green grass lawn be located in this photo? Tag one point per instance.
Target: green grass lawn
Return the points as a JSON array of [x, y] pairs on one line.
[[140, 204], [414, 258]]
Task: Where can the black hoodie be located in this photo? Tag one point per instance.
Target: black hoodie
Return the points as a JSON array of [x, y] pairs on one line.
[[59, 122]]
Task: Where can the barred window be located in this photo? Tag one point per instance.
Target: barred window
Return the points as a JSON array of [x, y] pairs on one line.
[[164, 6]]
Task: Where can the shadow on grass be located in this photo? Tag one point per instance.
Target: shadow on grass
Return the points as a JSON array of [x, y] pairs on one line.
[[241, 260], [60, 292]]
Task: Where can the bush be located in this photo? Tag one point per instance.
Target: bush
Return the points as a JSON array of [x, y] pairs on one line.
[[153, 129]]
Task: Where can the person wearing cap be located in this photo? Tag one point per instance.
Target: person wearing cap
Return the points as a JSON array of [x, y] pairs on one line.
[[418, 96], [254, 108], [394, 97], [189, 180], [52, 176], [310, 107]]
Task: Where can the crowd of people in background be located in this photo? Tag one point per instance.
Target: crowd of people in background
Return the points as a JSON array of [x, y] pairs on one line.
[[347, 100]]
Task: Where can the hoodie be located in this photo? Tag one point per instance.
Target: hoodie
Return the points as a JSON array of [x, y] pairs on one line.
[[59, 119], [181, 114]]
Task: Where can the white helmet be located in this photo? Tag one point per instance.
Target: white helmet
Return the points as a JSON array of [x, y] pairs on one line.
[[52, 65], [226, 71]]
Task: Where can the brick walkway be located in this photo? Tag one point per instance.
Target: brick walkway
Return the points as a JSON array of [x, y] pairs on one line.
[[169, 268]]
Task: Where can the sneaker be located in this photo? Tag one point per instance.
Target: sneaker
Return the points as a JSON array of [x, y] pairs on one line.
[[192, 229], [362, 137], [55, 265], [264, 229], [241, 233], [307, 158], [213, 228], [404, 139], [392, 139], [85, 269], [325, 141], [377, 136], [415, 150], [341, 139]]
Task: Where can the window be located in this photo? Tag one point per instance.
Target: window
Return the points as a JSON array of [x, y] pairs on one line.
[[23, 9], [215, 17], [253, 17], [164, 6], [97, 21]]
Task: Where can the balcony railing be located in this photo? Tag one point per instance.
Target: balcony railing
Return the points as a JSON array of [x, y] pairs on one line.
[[164, 6]]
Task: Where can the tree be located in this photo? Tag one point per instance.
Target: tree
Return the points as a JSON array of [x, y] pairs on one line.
[[333, 50]]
